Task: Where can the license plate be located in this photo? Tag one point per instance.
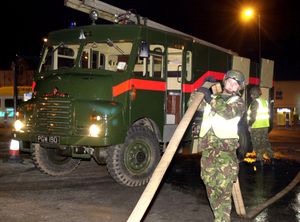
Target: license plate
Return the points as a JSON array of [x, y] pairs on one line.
[[48, 139]]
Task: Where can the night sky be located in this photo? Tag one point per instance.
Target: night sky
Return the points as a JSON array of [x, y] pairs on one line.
[[215, 21]]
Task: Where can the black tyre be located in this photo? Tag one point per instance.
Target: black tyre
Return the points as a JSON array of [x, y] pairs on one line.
[[133, 162], [52, 162]]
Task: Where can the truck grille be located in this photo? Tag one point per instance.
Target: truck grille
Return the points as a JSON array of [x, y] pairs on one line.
[[54, 116]]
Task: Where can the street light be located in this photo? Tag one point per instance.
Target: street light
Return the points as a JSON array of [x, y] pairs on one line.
[[248, 14]]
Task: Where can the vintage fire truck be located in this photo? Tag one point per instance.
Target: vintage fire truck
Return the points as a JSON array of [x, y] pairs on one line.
[[116, 92]]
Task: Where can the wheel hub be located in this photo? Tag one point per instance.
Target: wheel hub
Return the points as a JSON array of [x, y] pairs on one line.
[[140, 157], [137, 156]]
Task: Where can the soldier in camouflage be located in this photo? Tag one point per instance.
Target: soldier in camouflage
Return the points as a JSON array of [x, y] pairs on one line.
[[219, 141]]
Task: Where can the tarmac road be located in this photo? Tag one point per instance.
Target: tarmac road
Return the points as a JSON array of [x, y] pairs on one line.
[[89, 194]]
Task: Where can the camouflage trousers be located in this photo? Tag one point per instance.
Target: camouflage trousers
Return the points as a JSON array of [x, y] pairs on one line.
[[219, 170], [260, 142]]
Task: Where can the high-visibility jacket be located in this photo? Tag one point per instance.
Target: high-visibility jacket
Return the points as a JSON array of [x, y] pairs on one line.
[[262, 115], [223, 128]]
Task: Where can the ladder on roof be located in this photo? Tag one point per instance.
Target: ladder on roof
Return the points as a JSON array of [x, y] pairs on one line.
[[113, 14]]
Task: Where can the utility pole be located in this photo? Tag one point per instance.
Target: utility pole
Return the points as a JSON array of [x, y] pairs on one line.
[[259, 38], [15, 70]]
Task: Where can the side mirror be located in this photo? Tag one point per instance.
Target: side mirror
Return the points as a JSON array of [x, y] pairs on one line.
[[144, 50]]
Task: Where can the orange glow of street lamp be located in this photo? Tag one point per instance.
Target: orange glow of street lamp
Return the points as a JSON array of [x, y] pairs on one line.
[[247, 14]]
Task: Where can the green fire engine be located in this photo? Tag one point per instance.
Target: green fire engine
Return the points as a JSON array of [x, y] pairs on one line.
[[116, 93]]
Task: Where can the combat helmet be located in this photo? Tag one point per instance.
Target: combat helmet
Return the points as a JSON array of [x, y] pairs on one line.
[[236, 75], [255, 92]]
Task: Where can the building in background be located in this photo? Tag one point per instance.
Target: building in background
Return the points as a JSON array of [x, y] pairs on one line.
[[24, 77], [287, 103]]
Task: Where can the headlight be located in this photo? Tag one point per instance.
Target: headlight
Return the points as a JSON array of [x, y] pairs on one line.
[[94, 130], [18, 125]]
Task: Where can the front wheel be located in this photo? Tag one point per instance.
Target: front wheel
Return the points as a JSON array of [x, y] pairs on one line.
[[52, 162], [133, 162]]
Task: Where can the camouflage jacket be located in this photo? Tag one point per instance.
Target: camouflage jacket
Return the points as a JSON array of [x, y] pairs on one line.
[[220, 106]]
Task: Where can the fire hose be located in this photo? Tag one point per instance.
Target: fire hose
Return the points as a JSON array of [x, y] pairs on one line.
[[253, 212]]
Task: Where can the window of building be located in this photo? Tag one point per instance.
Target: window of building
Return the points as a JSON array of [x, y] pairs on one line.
[[279, 95]]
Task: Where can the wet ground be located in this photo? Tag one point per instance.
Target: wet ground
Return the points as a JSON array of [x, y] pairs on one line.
[[89, 194], [257, 187]]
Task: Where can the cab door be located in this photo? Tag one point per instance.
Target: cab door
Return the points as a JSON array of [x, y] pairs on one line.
[[148, 87]]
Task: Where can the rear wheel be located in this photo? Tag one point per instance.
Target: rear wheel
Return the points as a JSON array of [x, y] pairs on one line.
[[133, 162], [52, 161]]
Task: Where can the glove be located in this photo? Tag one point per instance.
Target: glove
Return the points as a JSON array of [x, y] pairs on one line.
[[210, 79], [206, 92]]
